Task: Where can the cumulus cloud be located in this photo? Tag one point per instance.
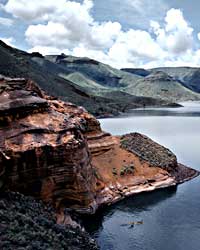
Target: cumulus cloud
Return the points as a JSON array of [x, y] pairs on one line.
[[176, 36], [69, 27], [8, 40], [31, 10], [132, 12], [38, 10], [52, 34], [137, 43], [48, 50]]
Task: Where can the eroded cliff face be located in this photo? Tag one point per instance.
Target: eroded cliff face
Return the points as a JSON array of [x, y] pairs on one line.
[[43, 151], [57, 151]]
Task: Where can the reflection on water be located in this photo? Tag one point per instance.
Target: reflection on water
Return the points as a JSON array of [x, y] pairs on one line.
[[144, 201], [171, 216]]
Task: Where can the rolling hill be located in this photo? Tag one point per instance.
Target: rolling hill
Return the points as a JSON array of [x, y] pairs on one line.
[[82, 81], [160, 85], [187, 76]]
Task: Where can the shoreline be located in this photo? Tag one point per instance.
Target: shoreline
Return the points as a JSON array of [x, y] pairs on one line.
[[127, 112], [118, 193], [169, 182], [157, 185]]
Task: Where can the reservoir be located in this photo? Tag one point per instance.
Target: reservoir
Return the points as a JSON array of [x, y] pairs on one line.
[[171, 216]]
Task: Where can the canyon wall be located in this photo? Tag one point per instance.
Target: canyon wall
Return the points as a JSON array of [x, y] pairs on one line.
[[43, 151], [57, 151]]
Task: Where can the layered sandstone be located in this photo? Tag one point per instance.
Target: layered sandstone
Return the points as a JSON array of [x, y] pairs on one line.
[[42, 149], [57, 151]]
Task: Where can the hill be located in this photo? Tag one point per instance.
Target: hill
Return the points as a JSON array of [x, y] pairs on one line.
[[82, 81], [160, 85], [137, 71], [98, 72], [189, 77]]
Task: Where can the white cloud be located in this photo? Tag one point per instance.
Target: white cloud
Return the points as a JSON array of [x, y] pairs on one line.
[[31, 10], [137, 43], [6, 21], [103, 35], [52, 34], [48, 50], [48, 9], [8, 40], [69, 27], [176, 36]]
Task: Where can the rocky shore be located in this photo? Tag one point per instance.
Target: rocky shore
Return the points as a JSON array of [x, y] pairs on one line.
[[57, 152], [132, 164]]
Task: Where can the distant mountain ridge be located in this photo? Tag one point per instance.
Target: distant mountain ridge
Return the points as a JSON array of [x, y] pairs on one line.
[[82, 81], [100, 88], [99, 78], [159, 84], [101, 73], [137, 71], [189, 77]]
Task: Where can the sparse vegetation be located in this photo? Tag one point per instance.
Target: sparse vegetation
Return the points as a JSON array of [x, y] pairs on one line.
[[148, 150], [126, 170], [114, 171], [29, 224], [96, 86]]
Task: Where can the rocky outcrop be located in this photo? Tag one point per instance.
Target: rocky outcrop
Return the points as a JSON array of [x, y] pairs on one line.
[[149, 151], [131, 164], [42, 149], [57, 151]]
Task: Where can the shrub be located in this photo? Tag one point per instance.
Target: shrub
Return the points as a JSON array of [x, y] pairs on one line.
[[127, 170], [114, 171]]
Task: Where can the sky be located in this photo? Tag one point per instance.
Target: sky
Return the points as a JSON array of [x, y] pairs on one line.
[[122, 33]]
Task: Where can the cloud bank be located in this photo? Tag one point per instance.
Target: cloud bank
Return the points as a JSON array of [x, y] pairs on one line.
[[67, 26]]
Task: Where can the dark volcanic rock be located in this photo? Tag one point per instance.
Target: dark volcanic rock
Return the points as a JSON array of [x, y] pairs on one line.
[[140, 72], [27, 224], [149, 151]]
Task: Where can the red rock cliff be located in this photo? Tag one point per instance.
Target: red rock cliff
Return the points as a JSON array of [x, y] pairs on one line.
[[42, 149], [58, 152]]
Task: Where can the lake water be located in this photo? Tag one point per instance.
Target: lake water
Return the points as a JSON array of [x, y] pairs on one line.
[[171, 216]]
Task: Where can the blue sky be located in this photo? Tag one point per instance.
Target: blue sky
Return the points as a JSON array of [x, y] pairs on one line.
[[128, 33]]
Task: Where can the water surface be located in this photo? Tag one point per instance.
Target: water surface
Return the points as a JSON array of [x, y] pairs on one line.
[[171, 216]]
